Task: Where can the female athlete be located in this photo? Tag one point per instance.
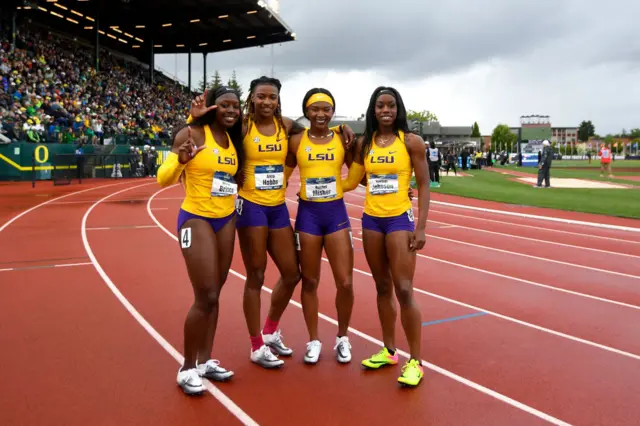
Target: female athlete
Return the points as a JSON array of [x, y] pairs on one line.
[[322, 220], [263, 218], [207, 155], [387, 153]]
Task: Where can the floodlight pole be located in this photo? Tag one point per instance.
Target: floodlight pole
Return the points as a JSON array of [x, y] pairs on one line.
[[189, 71], [97, 52], [152, 63], [204, 78], [13, 30]]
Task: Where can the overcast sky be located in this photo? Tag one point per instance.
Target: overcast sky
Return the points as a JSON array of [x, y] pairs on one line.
[[489, 61]]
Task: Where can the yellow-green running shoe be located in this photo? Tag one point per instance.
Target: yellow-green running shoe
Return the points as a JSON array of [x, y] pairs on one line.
[[381, 359], [412, 373]]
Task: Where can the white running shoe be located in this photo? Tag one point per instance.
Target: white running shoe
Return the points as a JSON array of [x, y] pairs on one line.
[[211, 370], [265, 358], [274, 341], [190, 381], [343, 349], [313, 352]]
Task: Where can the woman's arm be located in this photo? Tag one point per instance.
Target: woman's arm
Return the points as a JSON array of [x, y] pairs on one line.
[[356, 167], [291, 161], [417, 152], [186, 145]]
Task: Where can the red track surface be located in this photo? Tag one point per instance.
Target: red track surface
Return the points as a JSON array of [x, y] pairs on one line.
[[557, 343]]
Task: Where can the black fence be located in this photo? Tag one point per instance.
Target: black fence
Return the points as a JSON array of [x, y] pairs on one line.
[[69, 167]]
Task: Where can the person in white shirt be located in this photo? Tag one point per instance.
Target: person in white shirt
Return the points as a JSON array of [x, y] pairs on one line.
[[434, 160]]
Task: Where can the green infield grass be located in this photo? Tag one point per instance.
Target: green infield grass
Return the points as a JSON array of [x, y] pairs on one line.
[[492, 186]]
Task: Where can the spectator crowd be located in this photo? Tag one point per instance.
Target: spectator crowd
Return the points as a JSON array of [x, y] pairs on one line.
[[50, 92]]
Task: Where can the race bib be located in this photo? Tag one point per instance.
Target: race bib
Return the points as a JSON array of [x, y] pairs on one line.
[[223, 185], [269, 177], [319, 188], [383, 184]]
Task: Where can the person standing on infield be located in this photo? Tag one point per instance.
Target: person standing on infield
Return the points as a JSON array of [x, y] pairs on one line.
[[544, 167]]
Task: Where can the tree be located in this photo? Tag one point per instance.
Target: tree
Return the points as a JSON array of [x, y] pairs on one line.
[[475, 130], [422, 116], [200, 87], [217, 81], [213, 85], [586, 130], [503, 138], [233, 83]]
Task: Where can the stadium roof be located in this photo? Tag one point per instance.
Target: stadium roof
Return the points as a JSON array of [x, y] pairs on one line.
[[131, 26]]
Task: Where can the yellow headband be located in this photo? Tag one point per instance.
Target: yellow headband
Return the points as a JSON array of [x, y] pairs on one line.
[[319, 97]]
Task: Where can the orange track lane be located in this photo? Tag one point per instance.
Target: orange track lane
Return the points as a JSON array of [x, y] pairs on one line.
[[71, 354], [98, 355]]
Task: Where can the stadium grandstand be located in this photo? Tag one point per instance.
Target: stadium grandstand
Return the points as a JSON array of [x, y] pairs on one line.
[[82, 72]]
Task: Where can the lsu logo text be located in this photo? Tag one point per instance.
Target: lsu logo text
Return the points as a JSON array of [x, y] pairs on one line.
[[386, 159], [270, 147], [321, 157], [227, 160]]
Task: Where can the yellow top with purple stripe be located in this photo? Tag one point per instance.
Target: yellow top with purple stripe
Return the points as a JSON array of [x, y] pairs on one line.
[[208, 180], [264, 166], [320, 168], [388, 173]]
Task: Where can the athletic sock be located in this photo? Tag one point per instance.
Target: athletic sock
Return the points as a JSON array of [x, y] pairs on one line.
[[256, 342], [391, 351], [270, 326]]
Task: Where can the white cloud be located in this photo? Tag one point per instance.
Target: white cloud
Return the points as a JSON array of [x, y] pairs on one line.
[[577, 60]]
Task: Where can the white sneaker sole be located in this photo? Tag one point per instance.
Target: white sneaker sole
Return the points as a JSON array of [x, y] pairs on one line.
[[192, 391], [268, 364], [279, 350]]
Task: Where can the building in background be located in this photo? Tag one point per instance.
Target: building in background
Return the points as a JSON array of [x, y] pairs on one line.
[[446, 137]]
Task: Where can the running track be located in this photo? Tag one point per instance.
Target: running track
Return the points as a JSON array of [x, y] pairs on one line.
[[526, 321]]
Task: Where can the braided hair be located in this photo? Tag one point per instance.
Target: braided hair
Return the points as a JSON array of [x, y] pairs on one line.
[[250, 109], [371, 122]]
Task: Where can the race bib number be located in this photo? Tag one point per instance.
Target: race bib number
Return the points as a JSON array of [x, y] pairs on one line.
[[223, 185], [410, 215], [319, 188], [269, 177], [383, 184]]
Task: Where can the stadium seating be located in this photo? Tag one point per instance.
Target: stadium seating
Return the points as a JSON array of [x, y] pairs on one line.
[[50, 92]]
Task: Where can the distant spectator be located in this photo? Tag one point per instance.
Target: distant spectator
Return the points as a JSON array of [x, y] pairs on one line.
[[544, 167], [605, 160]]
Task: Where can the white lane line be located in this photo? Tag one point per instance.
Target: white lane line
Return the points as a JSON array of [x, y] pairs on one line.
[[533, 283], [544, 259], [515, 320], [520, 237], [108, 228], [13, 219], [375, 341], [544, 218], [213, 390], [537, 228], [27, 268]]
